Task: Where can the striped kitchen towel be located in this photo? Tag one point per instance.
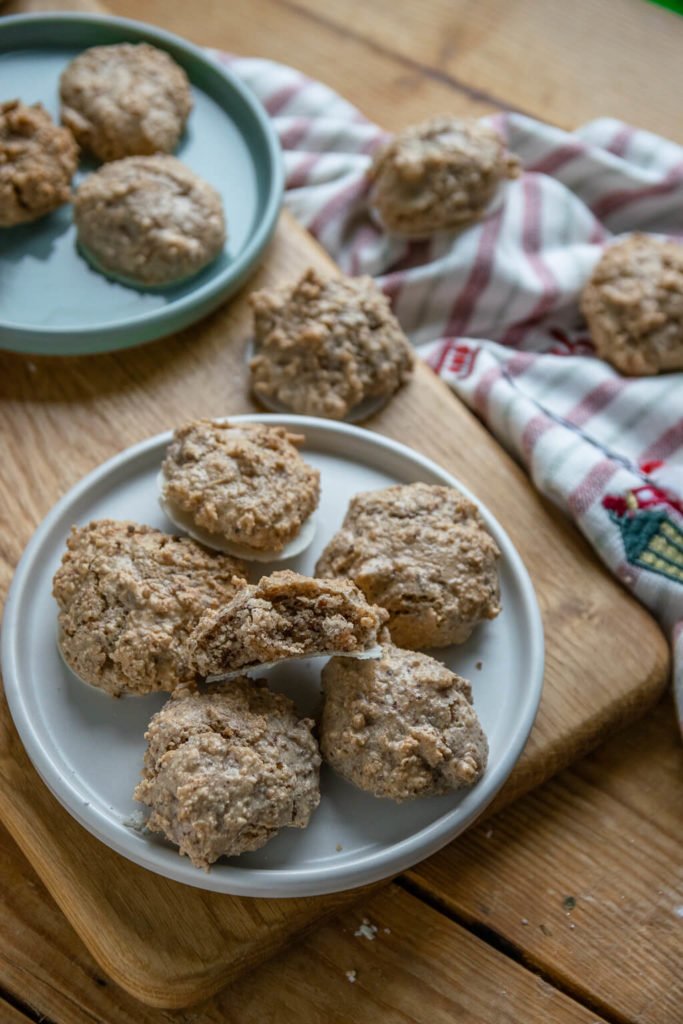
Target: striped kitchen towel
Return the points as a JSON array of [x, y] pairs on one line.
[[494, 311]]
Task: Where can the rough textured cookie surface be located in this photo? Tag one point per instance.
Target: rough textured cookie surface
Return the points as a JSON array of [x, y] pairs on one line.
[[129, 597], [423, 553], [633, 303], [37, 162], [285, 615], [226, 770], [323, 346], [402, 726], [244, 482], [125, 100], [438, 174], [149, 220]]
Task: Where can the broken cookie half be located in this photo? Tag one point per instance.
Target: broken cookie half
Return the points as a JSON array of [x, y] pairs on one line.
[[284, 616]]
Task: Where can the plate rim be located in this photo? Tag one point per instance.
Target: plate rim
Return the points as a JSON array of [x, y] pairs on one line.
[[268, 882], [154, 324]]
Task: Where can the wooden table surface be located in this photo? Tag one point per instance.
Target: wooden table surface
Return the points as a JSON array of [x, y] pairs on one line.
[[568, 905]]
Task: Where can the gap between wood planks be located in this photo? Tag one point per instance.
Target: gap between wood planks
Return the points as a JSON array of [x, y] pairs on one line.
[[509, 949], [444, 77], [20, 1010]]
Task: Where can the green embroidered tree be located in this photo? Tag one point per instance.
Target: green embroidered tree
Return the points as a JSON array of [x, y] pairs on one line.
[[652, 539]]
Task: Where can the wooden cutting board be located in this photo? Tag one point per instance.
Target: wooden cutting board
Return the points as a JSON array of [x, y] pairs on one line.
[[607, 660]]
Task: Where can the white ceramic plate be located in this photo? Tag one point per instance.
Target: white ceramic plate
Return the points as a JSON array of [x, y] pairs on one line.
[[88, 748]]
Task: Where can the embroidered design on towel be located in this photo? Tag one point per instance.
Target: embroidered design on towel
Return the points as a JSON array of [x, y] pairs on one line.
[[652, 537]]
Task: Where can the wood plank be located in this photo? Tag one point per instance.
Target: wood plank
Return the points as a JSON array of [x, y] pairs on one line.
[[412, 60], [385, 87], [10, 1015], [91, 407], [425, 968], [36, 6], [525, 53], [585, 875]]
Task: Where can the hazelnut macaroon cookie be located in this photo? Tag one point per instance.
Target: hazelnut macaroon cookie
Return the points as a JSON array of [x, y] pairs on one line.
[[125, 100], [633, 304], [325, 347], [129, 596], [424, 554], [148, 221], [440, 174], [240, 487], [283, 616], [226, 770], [401, 726], [37, 162]]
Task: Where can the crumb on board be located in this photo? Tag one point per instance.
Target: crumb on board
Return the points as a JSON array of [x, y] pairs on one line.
[[366, 930], [338, 847], [525, 920], [479, 664], [351, 975], [569, 902]]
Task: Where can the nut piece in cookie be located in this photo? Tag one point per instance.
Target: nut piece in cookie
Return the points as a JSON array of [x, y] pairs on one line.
[[285, 615], [240, 487], [125, 100], [128, 598], [148, 220], [37, 162], [322, 347], [423, 553], [633, 303], [401, 726], [224, 771], [439, 174]]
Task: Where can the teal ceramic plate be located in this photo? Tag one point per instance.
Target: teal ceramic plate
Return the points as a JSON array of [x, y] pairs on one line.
[[51, 300]]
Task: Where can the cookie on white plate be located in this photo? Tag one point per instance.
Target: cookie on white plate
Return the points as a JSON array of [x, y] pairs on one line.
[[401, 726], [424, 554], [129, 596], [241, 487], [226, 770]]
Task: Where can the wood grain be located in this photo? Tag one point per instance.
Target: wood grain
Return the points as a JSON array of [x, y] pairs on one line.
[[482, 43], [517, 867], [9, 1014], [383, 85], [585, 875], [425, 968], [89, 408], [92, 407], [36, 6], [567, 62]]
